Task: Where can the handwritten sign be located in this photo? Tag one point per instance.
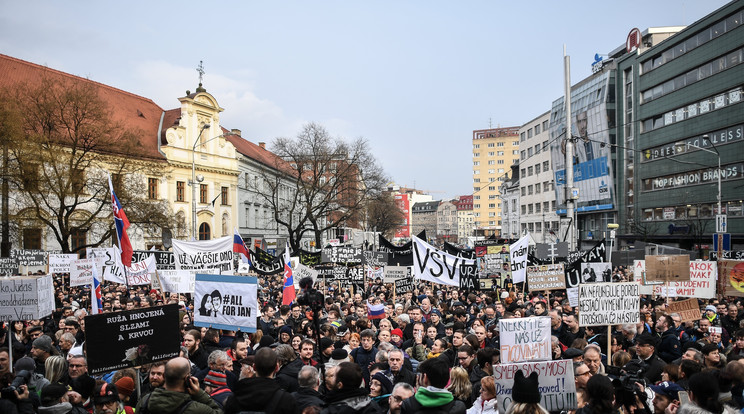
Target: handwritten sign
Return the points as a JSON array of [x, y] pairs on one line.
[[525, 339], [61, 263], [609, 303], [688, 309], [393, 273], [573, 296], [702, 283], [668, 268], [177, 281], [8, 266], [81, 272], [342, 254], [403, 285], [555, 381], [29, 257], [26, 298], [546, 277]]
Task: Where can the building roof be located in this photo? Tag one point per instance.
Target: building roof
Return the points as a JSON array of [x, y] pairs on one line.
[[258, 154], [425, 206], [133, 111]]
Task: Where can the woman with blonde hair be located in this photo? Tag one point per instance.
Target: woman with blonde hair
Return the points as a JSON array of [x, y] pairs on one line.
[[460, 385], [56, 370]]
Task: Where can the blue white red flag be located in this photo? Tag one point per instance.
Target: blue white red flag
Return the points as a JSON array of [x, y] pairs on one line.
[[95, 293], [288, 292], [121, 222], [375, 311], [239, 247]]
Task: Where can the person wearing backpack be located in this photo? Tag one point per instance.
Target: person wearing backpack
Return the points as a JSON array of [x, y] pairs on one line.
[[431, 396], [180, 393], [261, 393]]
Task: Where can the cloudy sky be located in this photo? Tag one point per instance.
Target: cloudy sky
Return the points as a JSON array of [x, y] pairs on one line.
[[415, 78]]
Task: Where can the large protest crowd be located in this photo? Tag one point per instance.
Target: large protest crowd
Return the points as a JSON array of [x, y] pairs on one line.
[[433, 350]]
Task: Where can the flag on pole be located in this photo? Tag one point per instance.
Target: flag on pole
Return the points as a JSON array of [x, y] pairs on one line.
[[288, 293], [239, 247], [96, 303], [375, 311], [122, 224]]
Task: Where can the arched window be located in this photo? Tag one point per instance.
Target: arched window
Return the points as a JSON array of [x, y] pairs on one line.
[[204, 232]]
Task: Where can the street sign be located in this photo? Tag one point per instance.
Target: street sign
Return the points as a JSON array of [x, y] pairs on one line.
[[721, 224], [724, 239]]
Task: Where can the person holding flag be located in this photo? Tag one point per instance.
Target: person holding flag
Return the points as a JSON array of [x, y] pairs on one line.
[[288, 291], [122, 224], [239, 247]]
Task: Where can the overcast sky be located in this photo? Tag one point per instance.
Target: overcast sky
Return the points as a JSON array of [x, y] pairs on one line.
[[415, 78]]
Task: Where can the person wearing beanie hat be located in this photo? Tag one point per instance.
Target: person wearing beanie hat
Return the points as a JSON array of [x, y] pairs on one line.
[[380, 387], [396, 337], [41, 349], [325, 350], [266, 341], [125, 385], [215, 384], [285, 334], [106, 399], [37, 382]]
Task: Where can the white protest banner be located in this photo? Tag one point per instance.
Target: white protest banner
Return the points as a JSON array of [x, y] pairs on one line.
[[392, 273], [609, 303], [374, 273], [518, 252], [81, 272], [226, 302], [555, 382], [177, 281], [140, 273], [26, 298], [60, 262], [434, 265], [702, 283], [103, 256], [525, 339], [573, 296], [216, 255], [300, 271]]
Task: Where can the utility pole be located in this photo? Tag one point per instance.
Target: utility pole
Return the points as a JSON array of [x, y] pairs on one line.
[[569, 191], [5, 244]]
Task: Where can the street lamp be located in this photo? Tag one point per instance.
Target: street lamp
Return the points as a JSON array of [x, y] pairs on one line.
[[612, 227], [193, 181]]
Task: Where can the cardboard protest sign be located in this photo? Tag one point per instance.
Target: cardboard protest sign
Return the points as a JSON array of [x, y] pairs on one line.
[[688, 309], [81, 272], [61, 263], [9, 266], [403, 285], [732, 277], [131, 338], [702, 283], [434, 265], [546, 277], [596, 272], [525, 339], [573, 296], [177, 281], [518, 252], [103, 256], [609, 303], [668, 268], [555, 381], [29, 257], [393, 273], [300, 271], [215, 255], [226, 302], [26, 298]]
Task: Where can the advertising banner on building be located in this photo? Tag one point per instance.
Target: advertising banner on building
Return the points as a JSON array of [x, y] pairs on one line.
[[592, 161], [226, 302], [131, 338], [404, 204]]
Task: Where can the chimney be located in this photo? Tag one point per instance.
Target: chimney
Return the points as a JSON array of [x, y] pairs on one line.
[[235, 131], [262, 145]]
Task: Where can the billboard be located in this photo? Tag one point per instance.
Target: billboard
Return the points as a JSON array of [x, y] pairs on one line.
[[590, 128]]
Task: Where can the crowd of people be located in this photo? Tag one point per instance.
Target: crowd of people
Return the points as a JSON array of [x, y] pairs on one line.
[[432, 351]]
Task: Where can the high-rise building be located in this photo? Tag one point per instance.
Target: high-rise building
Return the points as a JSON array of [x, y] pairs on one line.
[[537, 196], [494, 151], [465, 222]]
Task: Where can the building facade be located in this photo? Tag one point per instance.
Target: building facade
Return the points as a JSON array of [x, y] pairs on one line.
[[537, 195], [465, 222], [510, 199], [680, 107], [494, 150], [447, 221], [424, 217]]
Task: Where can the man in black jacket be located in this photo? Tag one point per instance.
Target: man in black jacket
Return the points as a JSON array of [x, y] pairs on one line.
[[651, 362], [669, 347], [396, 361], [261, 393], [308, 395], [345, 395]]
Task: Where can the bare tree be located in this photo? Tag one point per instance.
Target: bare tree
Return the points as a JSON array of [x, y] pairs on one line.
[[59, 155], [383, 215], [320, 183]]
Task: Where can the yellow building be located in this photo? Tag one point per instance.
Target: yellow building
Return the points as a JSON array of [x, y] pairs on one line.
[[494, 151], [194, 143]]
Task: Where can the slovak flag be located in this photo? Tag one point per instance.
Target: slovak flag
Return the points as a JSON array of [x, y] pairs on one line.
[[121, 222], [288, 292], [375, 311], [239, 247], [96, 303]]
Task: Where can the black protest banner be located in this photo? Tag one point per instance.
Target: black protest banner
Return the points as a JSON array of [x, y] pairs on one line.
[[469, 277], [309, 258], [375, 258], [403, 285], [341, 254], [131, 338], [264, 263], [163, 260], [456, 251], [573, 266], [8, 266], [29, 257]]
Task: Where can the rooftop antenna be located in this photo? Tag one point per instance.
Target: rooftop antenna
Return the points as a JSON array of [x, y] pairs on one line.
[[490, 124]]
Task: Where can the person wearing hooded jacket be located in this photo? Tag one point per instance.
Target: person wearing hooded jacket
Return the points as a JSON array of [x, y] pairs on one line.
[[261, 392], [346, 395], [431, 395], [290, 366]]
